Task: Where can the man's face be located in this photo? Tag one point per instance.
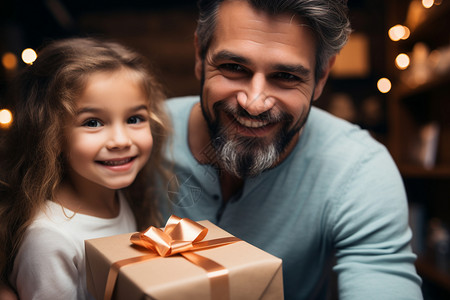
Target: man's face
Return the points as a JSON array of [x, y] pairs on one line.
[[258, 85]]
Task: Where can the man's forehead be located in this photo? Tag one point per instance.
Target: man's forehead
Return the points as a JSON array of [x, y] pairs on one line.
[[242, 8], [236, 16]]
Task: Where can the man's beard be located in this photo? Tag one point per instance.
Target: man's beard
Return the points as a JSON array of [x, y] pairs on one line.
[[246, 156]]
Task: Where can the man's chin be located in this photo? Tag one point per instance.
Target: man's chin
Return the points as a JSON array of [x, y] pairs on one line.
[[246, 158]]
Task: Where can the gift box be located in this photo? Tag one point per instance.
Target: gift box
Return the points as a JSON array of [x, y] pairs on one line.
[[214, 266]]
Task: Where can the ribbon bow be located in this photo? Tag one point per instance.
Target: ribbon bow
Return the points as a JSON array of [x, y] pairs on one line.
[[180, 236]]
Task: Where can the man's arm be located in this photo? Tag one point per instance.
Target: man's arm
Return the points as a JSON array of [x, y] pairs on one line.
[[372, 236]]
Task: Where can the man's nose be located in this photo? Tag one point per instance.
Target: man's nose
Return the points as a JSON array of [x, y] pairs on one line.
[[255, 99], [119, 138]]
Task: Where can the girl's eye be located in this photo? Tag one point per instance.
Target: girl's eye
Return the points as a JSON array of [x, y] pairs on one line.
[[135, 120], [92, 123]]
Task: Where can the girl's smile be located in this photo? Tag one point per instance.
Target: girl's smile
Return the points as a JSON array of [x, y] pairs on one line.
[[116, 162]]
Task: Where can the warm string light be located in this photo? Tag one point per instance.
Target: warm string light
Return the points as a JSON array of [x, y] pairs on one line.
[[384, 85], [399, 32], [9, 61], [29, 56], [402, 61], [427, 3], [5, 118]]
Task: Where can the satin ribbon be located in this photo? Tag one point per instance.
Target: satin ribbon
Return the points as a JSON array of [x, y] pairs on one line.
[[180, 236]]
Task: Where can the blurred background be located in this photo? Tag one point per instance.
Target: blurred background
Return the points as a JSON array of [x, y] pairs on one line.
[[392, 78]]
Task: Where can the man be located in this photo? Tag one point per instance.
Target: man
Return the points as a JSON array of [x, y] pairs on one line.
[[255, 158]]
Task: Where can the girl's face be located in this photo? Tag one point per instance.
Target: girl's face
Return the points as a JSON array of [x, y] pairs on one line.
[[109, 140]]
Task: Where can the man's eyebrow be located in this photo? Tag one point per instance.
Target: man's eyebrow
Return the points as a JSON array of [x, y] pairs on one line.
[[227, 55], [295, 69]]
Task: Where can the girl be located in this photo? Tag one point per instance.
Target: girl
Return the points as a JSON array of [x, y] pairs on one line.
[[80, 161]]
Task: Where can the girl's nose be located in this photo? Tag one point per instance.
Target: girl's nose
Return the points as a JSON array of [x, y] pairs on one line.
[[119, 138]]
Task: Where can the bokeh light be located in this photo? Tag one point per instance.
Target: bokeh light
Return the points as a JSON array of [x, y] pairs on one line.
[[5, 118], [384, 85], [399, 32], [406, 34], [9, 61], [29, 56], [427, 3], [402, 61]]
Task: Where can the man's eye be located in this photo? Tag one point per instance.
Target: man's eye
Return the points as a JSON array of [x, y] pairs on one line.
[[232, 68], [92, 123], [135, 120], [286, 77]]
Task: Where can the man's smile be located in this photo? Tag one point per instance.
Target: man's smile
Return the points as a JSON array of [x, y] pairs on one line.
[[250, 127], [252, 123]]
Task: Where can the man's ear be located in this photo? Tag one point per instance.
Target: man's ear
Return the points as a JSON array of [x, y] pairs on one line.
[[322, 80], [198, 60]]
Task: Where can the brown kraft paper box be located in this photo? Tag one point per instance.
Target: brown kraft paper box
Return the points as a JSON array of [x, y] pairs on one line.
[[253, 273]]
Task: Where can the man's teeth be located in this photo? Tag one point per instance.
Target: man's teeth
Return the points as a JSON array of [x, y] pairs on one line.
[[116, 162], [251, 123]]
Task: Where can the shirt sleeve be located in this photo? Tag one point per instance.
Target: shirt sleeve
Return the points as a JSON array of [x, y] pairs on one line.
[[372, 236], [45, 266]]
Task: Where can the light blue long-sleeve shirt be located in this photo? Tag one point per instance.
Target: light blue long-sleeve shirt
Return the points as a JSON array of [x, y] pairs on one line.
[[336, 201]]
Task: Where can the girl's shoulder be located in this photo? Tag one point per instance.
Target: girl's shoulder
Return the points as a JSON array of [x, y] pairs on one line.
[[53, 230], [47, 233]]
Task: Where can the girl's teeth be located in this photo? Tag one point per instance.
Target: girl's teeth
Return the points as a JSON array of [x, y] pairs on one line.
[[116, 162]]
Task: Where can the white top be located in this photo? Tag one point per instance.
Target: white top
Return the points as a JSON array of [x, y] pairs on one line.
[[50, 263]]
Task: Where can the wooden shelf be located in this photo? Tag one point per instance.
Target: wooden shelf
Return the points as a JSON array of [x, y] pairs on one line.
[[437, 82], [407, 170]]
